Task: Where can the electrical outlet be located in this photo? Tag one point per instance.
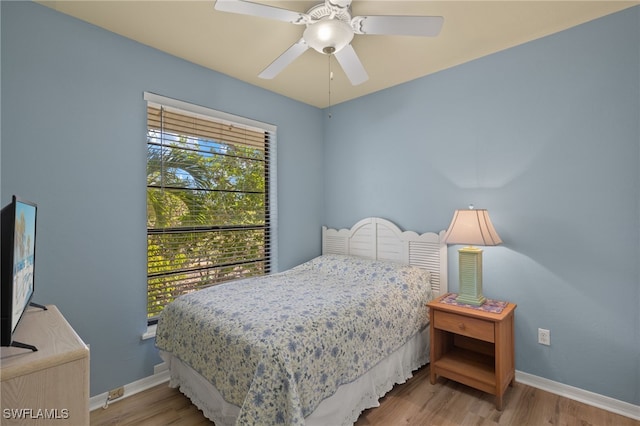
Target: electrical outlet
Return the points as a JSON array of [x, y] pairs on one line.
[[116, 393], [544, 337]]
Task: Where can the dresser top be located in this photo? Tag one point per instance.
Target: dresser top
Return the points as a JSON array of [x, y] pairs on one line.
[[48, 331]]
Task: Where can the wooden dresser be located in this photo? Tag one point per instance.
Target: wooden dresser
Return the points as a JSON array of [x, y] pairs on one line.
[[50, 386], [473, 347]]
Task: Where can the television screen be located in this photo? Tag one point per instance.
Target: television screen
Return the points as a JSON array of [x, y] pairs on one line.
[[18, 262], [23, 256]]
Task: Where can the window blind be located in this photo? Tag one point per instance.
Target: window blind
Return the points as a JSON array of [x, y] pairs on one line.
[[208, 203]]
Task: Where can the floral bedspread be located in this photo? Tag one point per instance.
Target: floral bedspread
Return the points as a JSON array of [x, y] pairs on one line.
[[277, 345]]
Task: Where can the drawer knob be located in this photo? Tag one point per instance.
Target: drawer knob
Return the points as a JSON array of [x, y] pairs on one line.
[[461, 326]]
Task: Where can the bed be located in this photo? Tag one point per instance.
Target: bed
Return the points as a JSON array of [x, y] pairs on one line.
[[313, 345]]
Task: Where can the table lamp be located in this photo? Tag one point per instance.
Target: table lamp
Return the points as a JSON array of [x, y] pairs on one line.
[[471, 227]]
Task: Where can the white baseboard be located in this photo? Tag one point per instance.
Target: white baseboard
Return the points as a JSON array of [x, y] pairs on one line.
[[161, 375], [590, 398]]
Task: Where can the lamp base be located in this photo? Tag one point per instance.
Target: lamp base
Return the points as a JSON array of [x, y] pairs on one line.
[[470, 263], [470, 299]]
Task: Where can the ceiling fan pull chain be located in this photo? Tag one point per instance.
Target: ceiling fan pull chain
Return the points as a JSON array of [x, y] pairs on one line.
[[330, 79]]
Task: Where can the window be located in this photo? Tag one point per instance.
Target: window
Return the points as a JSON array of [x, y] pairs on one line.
[[210, 202]]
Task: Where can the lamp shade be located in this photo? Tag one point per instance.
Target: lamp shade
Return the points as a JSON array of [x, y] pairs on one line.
[[472, 227]]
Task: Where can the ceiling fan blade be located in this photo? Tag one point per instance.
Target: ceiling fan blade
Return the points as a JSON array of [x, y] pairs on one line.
[[260, 10], [285, 59], [350, 63], [425, 26]]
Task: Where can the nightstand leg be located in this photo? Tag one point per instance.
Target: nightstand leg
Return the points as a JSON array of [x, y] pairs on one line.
[[499, 402]]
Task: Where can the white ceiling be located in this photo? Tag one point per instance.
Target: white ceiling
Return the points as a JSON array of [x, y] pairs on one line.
[[242, 46]]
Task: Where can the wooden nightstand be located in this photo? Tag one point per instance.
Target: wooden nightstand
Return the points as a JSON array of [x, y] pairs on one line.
[[473, 347]]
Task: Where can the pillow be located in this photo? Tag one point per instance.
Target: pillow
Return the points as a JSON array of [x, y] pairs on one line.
[[370, 269]]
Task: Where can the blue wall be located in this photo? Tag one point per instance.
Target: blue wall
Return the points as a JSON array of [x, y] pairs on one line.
[[73, 137], [546, 137]]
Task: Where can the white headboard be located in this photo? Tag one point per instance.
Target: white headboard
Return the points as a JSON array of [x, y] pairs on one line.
[[377, 238]]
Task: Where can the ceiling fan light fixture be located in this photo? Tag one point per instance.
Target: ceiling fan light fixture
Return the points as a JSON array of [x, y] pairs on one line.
[[328, 35]]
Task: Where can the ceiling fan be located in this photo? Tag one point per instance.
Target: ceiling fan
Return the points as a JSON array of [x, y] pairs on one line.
[[330, 29]]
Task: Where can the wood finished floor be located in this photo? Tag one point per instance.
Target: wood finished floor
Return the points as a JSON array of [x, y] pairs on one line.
[[416, 402]]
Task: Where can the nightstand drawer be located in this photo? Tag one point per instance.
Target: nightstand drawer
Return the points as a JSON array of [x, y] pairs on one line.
[[466, 326]]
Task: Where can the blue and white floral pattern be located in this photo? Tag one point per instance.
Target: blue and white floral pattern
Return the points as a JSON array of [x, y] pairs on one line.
[[277, 345]]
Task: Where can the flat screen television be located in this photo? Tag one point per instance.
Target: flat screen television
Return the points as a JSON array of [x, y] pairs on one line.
[[18, 249]]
